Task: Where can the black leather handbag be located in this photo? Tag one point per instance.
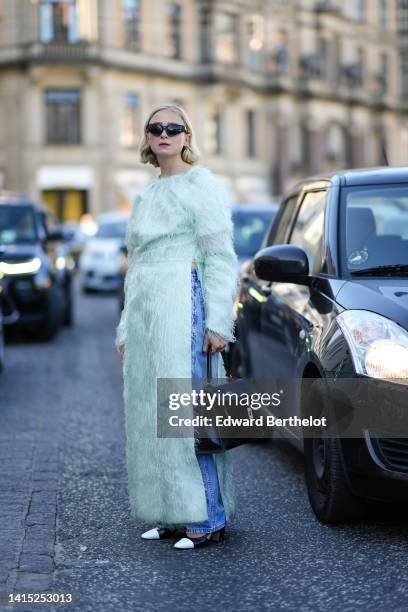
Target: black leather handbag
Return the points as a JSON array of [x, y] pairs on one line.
[[214, 440]]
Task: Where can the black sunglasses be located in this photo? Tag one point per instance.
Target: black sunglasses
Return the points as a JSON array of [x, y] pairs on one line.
[[171, 129]]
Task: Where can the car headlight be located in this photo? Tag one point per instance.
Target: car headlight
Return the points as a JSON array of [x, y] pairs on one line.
[[378, 346], [24, 267]]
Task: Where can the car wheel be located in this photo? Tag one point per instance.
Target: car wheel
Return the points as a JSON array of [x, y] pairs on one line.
[[327, 486], [53, 316]]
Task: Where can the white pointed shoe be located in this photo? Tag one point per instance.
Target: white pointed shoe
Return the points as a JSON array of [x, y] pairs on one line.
[[214, 536], [185, 543], [158, 533]]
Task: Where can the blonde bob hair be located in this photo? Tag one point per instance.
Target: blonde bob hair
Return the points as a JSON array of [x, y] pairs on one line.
[[189, 153]]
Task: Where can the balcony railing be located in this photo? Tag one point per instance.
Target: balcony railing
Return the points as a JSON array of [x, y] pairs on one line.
[[62, 51]]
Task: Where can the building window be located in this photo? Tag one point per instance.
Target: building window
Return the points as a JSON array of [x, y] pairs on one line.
[[255, 41], [68, 21], [402, 17], [205, 34], [383, 13], [132, 24], [226, 37], [63, 116], [58, 21], [130, 133], [174, 31], [214, 141], [250, 133], [359, 10]]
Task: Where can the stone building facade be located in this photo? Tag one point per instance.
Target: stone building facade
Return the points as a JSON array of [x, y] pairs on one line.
[[276, 90]]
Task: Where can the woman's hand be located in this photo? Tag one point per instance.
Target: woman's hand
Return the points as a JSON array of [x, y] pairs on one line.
[[216, 344], [121, 350]]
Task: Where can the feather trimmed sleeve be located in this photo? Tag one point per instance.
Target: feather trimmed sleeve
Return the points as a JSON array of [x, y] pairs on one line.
[[213, 228], [120, 336]]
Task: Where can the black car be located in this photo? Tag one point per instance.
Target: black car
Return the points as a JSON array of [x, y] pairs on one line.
[[326, 297], [36, 268]]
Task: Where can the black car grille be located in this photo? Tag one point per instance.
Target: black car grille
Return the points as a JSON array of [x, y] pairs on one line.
[[394, 453]]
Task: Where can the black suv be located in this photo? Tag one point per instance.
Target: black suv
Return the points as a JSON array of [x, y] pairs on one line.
[[36, 268]]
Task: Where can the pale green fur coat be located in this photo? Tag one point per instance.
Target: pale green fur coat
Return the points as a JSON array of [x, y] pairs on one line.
[[175, 220]]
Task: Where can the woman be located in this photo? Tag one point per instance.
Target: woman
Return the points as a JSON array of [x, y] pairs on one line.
[[179, 291]]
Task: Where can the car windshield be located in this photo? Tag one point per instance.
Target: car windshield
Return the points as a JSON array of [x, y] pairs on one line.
[[111, 229], [376, 222], [17, 224], [249, 230]]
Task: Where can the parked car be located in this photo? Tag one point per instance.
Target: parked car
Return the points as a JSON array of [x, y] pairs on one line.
[[36, 269], [327, 293], [101, 260]]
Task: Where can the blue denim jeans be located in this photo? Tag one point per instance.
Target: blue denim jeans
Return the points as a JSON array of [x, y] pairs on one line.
[[215, 508]]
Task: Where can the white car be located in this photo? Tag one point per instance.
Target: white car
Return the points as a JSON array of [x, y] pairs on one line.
[[100, 261]]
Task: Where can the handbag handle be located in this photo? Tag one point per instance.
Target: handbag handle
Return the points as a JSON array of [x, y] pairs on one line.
[[209, 364]]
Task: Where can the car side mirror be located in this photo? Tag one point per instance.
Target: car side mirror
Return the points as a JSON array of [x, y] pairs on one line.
[[285, 263]]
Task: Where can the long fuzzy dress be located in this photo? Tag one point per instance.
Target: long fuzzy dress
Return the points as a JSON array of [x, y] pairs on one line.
[[175, 220]]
